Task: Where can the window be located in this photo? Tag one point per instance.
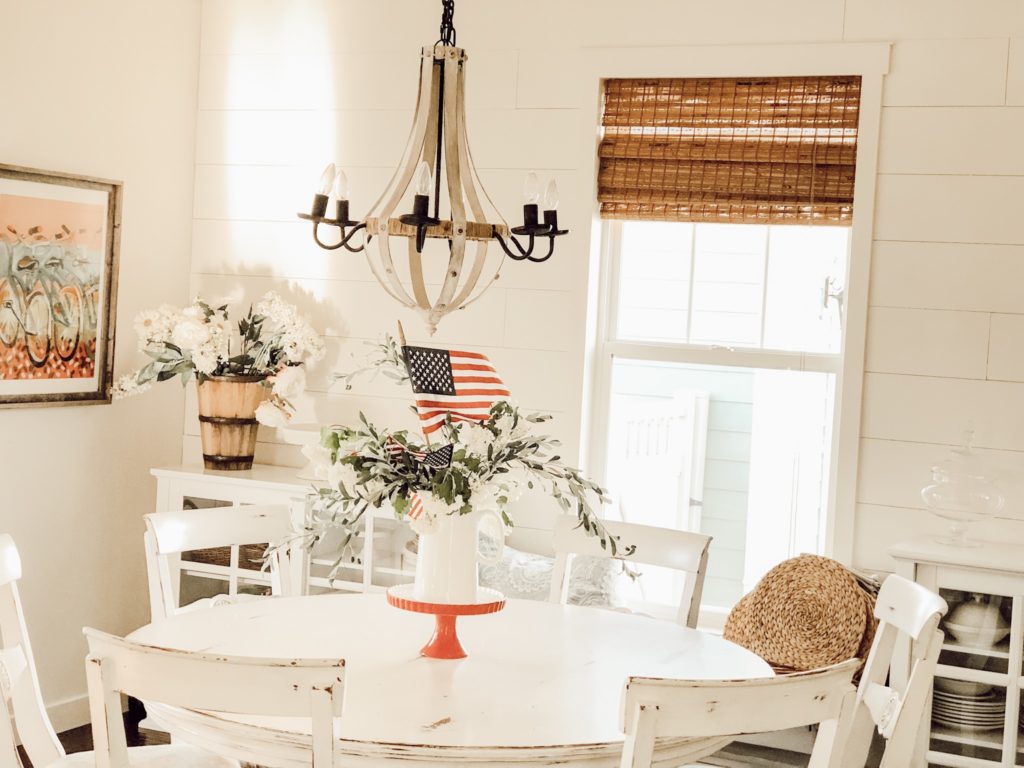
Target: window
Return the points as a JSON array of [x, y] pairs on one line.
[[726, 243]]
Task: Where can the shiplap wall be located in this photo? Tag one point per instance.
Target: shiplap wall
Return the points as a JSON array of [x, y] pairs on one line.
[[286, 85]]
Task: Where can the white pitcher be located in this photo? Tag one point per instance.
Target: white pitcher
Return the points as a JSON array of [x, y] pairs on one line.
[[446, 561]]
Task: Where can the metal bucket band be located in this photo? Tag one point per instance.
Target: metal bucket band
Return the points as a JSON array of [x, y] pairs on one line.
[[218, 459], [226, 420]]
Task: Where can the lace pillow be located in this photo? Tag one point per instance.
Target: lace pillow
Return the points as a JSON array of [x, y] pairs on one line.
[[523, 575]]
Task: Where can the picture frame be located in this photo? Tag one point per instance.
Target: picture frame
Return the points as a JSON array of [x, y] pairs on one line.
[[59, 249]]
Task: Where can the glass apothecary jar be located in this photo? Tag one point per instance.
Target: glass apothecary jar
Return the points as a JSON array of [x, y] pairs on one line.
[[962, 491]]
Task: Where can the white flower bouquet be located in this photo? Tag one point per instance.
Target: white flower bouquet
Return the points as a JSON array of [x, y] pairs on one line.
[[272, 342]]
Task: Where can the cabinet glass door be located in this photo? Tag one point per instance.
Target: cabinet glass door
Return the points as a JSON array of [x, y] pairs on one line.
[[975, 705]]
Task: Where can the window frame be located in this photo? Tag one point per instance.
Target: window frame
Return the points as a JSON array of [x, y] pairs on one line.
[[871, 62]]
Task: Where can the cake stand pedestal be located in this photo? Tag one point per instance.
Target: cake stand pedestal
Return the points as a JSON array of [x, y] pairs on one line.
[[444, 644]]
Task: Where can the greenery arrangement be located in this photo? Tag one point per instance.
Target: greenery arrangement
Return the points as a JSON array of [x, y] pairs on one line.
[[491, 462], [385, 359]]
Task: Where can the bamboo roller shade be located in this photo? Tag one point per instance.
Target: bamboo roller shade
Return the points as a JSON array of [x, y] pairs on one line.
[[778, 150]]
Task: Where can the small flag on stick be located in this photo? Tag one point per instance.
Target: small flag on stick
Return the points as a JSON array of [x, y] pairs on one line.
[[463, 385], [437, 459]]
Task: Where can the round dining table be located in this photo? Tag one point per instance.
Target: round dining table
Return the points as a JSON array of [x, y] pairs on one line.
[[542, 684]]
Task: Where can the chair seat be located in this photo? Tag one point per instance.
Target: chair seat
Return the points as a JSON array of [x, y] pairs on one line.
[[158, 756]]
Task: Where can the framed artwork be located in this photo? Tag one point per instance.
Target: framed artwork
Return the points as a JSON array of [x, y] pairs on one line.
[[59, 238]]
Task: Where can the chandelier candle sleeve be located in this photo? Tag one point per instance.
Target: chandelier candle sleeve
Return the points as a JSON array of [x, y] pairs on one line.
[[323, 191], [340, 192], [420, 216], [551, 201]]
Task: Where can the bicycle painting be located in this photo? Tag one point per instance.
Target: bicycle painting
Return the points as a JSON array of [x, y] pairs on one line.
[[58, 259]]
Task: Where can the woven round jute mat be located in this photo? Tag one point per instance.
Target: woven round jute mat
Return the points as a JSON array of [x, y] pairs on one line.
[[806, 613]]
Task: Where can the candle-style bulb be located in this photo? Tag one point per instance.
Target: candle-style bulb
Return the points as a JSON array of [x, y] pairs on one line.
[[551, 196], [423, 179], [326, 180], [531, 189], [340, 186]]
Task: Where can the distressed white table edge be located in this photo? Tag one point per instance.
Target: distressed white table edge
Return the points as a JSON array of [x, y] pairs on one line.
[[561, 667]]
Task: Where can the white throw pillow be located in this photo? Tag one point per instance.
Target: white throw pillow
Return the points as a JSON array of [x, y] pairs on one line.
[[524, 575]]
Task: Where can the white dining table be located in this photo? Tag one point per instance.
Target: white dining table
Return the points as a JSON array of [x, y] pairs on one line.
[[542, 683]]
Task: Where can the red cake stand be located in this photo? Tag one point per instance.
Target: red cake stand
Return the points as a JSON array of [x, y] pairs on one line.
[[444, 644]]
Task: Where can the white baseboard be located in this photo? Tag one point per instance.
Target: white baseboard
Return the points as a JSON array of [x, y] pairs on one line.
[[69, 713]]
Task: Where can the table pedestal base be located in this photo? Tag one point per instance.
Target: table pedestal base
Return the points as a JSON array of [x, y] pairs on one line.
[[444, 643]]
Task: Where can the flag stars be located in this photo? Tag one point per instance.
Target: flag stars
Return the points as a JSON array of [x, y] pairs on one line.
[[430, 371]]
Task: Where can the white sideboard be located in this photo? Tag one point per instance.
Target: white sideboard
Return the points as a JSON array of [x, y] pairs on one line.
[[996, 571], [377, 562]]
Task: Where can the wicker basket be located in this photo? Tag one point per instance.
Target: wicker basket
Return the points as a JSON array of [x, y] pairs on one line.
[[250, 556], [806, 613]]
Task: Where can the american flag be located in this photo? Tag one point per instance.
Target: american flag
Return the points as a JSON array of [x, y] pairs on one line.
[[446, 382]]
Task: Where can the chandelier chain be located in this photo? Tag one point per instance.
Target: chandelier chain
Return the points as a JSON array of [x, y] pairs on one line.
[[447, 23]]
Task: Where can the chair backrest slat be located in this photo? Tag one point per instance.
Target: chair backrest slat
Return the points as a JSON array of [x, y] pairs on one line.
[[908, 606], [306, 688], [664, 547], [168, 534], [239, 685], [658, 708], [191, 529]]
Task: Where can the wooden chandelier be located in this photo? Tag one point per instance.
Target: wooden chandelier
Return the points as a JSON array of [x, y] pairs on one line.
[[438, 145]]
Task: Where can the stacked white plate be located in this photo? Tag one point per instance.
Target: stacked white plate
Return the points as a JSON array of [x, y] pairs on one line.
[[975, 712]]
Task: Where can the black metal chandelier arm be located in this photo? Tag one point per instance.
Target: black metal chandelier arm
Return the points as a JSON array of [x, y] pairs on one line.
[[520, 253], [345, 238], [548, 255]]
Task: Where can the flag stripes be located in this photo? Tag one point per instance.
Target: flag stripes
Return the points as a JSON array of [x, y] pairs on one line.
[[415, 507]]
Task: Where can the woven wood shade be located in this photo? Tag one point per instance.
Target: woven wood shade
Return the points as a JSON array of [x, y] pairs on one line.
[[776, 150]]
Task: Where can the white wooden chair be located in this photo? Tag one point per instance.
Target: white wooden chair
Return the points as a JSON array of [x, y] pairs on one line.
[[300, 688], [19, 685], [22, 713], [168, 534], [658, 708], [909, 613], [679, 550]]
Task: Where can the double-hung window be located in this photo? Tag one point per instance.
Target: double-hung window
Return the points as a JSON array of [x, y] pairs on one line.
[[726, 207]]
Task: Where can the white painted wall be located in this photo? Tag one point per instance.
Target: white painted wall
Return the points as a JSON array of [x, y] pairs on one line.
[[103, 88], [286, 85]]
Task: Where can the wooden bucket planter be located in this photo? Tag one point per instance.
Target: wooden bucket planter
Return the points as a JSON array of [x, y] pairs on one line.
[[227, 420]]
